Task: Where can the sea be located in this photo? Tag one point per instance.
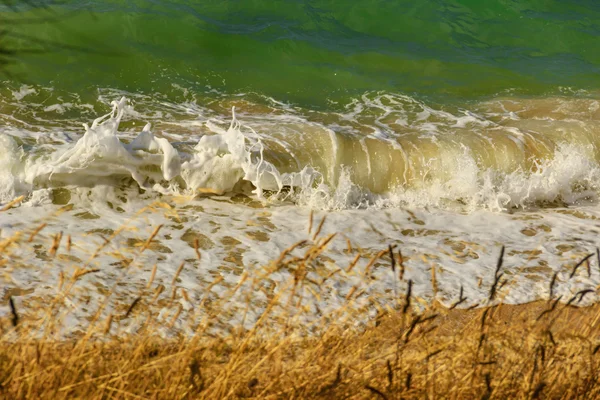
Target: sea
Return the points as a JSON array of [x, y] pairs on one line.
[[187, 144]]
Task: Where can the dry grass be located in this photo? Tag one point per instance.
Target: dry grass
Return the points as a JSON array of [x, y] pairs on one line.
[[538, 350], [499, 352]]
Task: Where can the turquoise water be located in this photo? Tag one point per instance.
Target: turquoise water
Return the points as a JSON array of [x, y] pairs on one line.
[[313, 53]]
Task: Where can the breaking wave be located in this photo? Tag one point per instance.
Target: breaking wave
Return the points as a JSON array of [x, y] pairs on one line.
[[398, 152]]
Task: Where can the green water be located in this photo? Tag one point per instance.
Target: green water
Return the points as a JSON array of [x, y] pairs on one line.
[[311, 53]]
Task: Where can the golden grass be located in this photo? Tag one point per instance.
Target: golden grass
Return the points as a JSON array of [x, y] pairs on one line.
[[538, 350], [499, 352]]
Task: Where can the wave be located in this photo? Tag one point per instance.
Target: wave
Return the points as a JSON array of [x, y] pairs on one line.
[[382, 151]]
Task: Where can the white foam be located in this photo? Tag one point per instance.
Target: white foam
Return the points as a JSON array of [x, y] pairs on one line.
[[571, 176], [23, 91], [10, 162]]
